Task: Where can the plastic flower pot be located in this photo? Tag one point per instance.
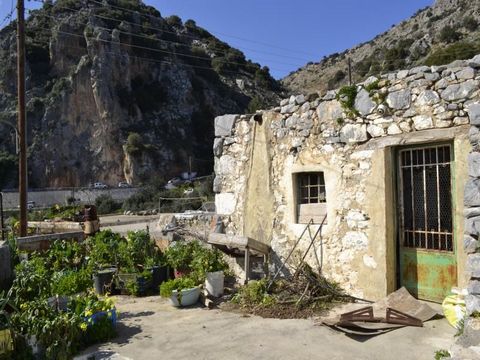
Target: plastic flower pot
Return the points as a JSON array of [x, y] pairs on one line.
[[111, 314], [181, 273], [186, 297], [102, 280], [159, 275], [214, 283]]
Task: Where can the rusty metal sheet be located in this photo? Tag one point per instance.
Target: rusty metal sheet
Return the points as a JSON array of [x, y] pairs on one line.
[[400, 300]]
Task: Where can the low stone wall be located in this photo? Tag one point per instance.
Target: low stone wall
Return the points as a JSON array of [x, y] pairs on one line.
[[46, 198], [352, 140]]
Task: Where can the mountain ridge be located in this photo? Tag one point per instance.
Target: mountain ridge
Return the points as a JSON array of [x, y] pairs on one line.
[[439, 34], [116, 92]]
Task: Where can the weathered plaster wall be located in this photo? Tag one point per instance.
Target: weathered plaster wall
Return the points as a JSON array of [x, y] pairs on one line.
[[257, 157]]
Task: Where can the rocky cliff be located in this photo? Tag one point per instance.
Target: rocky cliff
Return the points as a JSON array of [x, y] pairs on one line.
[[436, 35], [115, 91]]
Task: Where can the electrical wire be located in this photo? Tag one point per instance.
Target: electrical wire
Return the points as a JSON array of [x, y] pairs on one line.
[[177, 43], [223, 34], [172, 32]]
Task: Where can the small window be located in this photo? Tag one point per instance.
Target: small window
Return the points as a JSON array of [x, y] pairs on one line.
[[311, 197]]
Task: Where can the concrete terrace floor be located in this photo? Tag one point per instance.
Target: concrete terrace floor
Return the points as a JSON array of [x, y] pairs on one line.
[[150, 328]]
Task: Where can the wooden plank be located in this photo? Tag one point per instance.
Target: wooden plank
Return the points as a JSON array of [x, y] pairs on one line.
[[306, 212], [238, 242]]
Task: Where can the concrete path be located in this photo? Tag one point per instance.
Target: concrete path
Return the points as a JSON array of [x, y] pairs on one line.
[[149, 328]]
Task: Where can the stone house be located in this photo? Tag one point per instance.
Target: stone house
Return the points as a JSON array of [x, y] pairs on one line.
[[389, 166]]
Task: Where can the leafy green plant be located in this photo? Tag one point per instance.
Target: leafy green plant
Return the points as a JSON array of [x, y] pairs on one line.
[[178, 284], [32, 281], [441, 354], [102, 249], [254, 294], [58, 332], [181, 254], [346, 96], [71, 282], [65, 255], [207, 260]]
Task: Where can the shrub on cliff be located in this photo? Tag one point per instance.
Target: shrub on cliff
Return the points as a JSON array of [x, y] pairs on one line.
[[106, 205]]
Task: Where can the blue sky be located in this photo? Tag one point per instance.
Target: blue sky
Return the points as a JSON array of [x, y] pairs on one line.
[[285, 34]]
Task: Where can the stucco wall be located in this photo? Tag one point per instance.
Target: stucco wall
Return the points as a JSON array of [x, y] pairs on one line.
[[257, 157]]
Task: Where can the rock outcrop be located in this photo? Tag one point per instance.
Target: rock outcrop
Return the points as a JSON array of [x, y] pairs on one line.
[[97, 74]]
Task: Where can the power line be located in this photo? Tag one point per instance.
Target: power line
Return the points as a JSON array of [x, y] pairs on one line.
[[148, 59], [216, 49], [177, 43], [152, 49], [223, 34]]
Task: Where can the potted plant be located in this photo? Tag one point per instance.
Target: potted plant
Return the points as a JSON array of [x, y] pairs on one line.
[[209, 266], [98, 317], [181, 291], [180, 255]]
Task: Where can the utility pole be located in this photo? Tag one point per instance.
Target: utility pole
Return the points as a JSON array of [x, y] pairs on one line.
[[22, 126], [349, 71]]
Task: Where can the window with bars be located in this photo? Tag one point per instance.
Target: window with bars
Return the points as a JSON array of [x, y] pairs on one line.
[[311, 197]]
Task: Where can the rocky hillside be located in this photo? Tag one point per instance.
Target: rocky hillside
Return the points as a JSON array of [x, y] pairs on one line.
[[447, 31], [115, 91]]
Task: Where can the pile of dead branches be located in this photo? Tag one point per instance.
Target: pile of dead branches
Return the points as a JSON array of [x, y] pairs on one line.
[[306, 288], [303, 295]]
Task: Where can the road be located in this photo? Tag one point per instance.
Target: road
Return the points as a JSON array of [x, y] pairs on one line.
[[123, 223], [149, 328]]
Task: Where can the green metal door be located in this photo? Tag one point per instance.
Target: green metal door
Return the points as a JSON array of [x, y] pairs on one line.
[[427, 246]]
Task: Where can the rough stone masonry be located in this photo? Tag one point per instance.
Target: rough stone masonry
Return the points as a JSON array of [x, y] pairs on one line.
[[353, 141]]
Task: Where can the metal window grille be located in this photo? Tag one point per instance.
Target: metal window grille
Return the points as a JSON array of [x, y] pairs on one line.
[[426, 198], [311, 188]]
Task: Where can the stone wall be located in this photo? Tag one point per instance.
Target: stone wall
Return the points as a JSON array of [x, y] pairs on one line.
[[49, 197], [354, 145], [471, 336]]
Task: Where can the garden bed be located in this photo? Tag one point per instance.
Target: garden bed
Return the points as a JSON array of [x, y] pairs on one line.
[[52, 302]]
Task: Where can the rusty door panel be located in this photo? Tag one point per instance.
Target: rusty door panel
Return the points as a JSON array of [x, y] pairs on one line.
[[428, 275]]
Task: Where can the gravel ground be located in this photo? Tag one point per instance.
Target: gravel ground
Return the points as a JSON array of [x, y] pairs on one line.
[[149, 328]]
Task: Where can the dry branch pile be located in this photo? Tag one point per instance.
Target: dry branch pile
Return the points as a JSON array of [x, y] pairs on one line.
[[303, 295]]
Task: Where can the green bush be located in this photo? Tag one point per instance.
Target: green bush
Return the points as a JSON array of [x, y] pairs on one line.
[[448, 34], [470, 23], [71, 282], [182, 283], [106, 205], [458, 51], [181, 254], [254, 294], [346, 96]]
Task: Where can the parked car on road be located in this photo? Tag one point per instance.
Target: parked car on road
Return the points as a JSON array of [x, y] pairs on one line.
[[30, 205], [99, 185], [123, 184]]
